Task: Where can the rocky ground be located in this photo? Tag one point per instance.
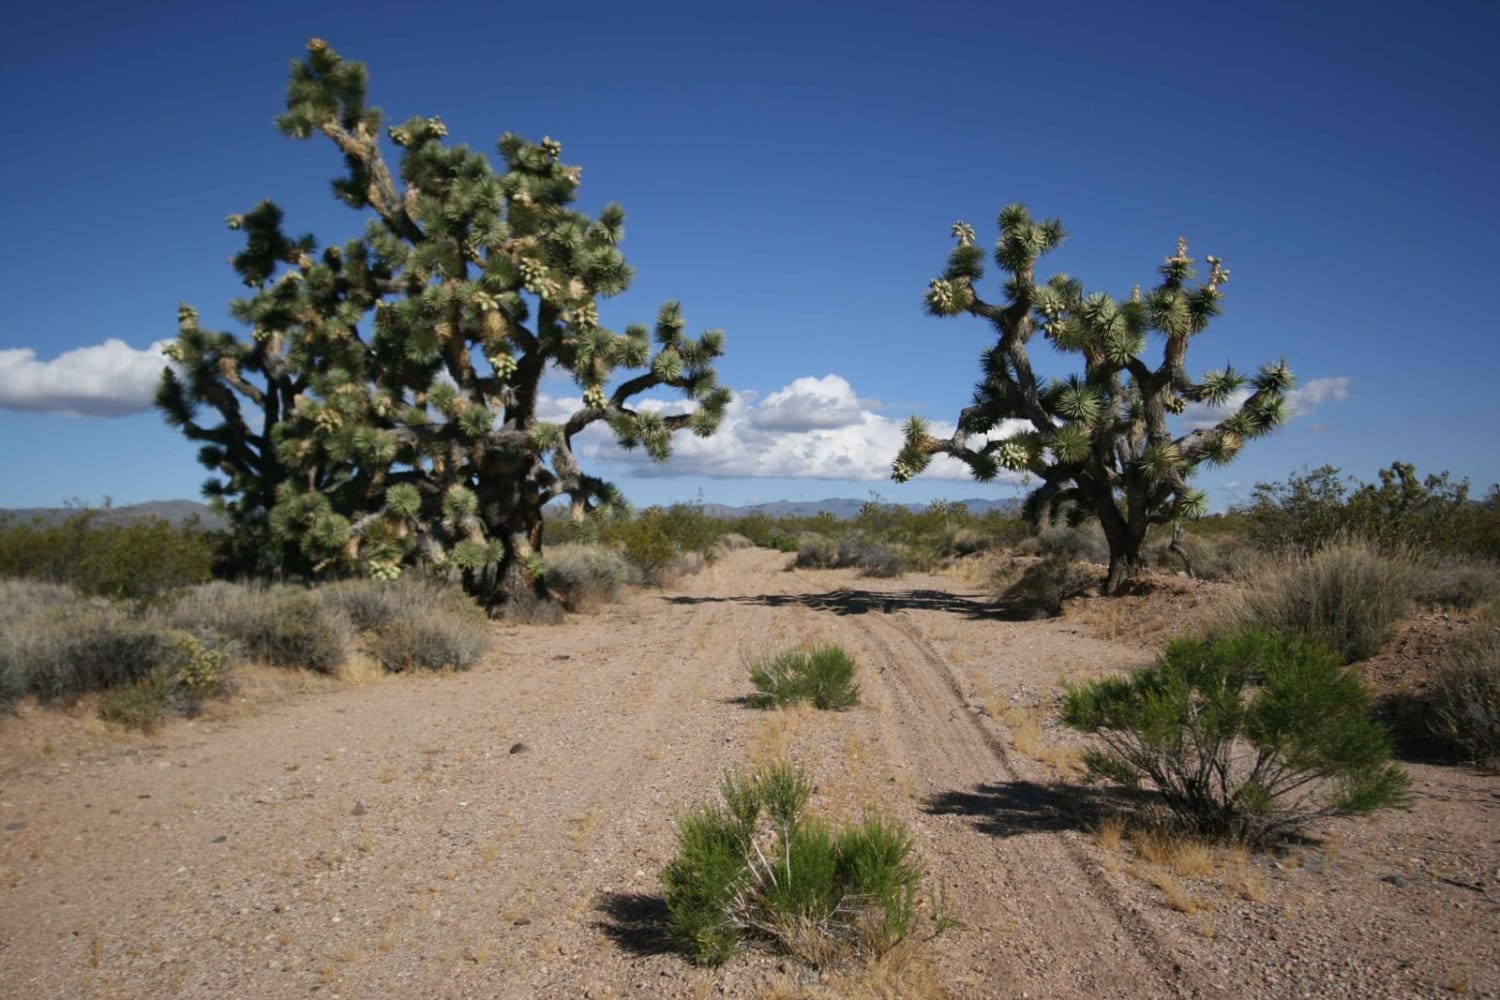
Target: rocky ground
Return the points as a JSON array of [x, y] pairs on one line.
[[499, 833]]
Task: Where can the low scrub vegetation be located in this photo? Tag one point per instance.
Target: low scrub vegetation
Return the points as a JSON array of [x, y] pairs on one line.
[[1466, 700], [411, 624], [822, 676], [1348, 596], [1248, 736], [583, 576], [282, 626], [755, 866]]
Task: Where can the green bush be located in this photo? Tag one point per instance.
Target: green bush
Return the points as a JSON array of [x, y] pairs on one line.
[[1466, 700], [428, 626], [1348, 596], [755, 866], [1246, 736], [1068, 545], [134, 560], [822, 676]]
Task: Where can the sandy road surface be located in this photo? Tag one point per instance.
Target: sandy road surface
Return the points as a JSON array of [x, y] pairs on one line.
[[499, 833]]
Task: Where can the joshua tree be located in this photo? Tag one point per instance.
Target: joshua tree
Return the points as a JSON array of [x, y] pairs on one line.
[[1099, 442], [398, 377]]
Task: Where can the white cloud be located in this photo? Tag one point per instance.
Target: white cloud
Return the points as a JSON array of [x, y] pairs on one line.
[[809, 403], [111, 379], [1305, 398], [845, 439]]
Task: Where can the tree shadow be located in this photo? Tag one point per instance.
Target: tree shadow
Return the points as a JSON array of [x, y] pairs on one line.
[[1013, 808], [1412, 722], [636, 922], [847, 601]]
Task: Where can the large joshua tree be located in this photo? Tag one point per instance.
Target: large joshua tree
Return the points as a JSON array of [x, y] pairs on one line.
[[1100, 443], [388, 406]]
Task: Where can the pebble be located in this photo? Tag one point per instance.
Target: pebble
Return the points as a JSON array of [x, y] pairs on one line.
[[17, 825], [359, 808], [519, 748], [1398, 881]]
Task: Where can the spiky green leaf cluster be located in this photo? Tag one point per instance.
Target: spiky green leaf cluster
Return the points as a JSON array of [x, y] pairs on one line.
[[385, 403], [1104, 441]]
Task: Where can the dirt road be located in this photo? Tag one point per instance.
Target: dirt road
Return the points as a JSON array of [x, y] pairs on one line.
[[499, 833]]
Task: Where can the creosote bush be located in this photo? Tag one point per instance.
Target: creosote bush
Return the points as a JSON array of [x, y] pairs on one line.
[[756, 866], [138, 560], [822, 676], [1246, 736], [1348, 596]]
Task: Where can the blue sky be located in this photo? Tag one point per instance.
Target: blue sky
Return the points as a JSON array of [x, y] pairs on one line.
[[791, 173]]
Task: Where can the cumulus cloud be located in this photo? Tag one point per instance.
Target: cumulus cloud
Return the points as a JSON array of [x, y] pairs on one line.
[[808, 404], [111, 379], [1299, 401], [838, 436]]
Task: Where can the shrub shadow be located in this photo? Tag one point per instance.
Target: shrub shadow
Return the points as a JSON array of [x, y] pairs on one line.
[[1013, 808], [846, 601], [636, 922]]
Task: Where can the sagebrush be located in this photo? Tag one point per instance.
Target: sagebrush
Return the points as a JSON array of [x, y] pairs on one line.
[[822, 676]]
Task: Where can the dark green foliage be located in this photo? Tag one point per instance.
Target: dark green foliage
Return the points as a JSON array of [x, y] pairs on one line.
[[1348, 596], [1099, 442], [1247, 736], [822, 676], [384, 410], [1317, 508], [1466, 700], [756, 866], [137, 560]]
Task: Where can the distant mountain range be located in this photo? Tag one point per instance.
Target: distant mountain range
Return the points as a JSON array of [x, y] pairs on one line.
[[178, 511]]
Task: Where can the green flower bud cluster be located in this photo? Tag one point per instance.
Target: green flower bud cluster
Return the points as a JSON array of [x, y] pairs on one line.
[[386, 570], [585, 316], [593, 398], [551, 147], [504, 365], [964, 233]]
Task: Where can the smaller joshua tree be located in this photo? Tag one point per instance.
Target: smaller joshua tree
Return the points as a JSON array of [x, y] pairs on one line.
[[1099, 442]]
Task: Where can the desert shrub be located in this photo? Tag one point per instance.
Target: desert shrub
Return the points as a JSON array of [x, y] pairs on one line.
[[733, 541], [61, 654], [1247, 736], [1455, 582], [822, 676], [881, 561], [1212, 556], [1043, 586], [22, 599], [282, 626], [689, 528], [1066, 544], [1466, 700], [646, 545], [816, 551], [583, 575], [1348, 596], [756, 866], [134, 560], [430, 639]]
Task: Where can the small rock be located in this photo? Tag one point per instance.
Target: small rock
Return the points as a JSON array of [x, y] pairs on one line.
[[520, 748], [17, 825], [1398, 881], [521, 921], [359, 808], [220, 839]]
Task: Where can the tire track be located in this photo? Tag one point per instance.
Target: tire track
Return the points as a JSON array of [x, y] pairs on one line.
[[1074, 948]]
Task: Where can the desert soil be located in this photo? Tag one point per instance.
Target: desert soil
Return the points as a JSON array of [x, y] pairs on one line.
[[499, 833]]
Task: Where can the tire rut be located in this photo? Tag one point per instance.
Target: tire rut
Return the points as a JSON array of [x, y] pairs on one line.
[[923, 685]]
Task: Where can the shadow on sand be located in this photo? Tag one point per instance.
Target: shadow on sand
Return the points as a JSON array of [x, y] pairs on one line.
[[636, 922], [846, 601], [1012, 808]]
